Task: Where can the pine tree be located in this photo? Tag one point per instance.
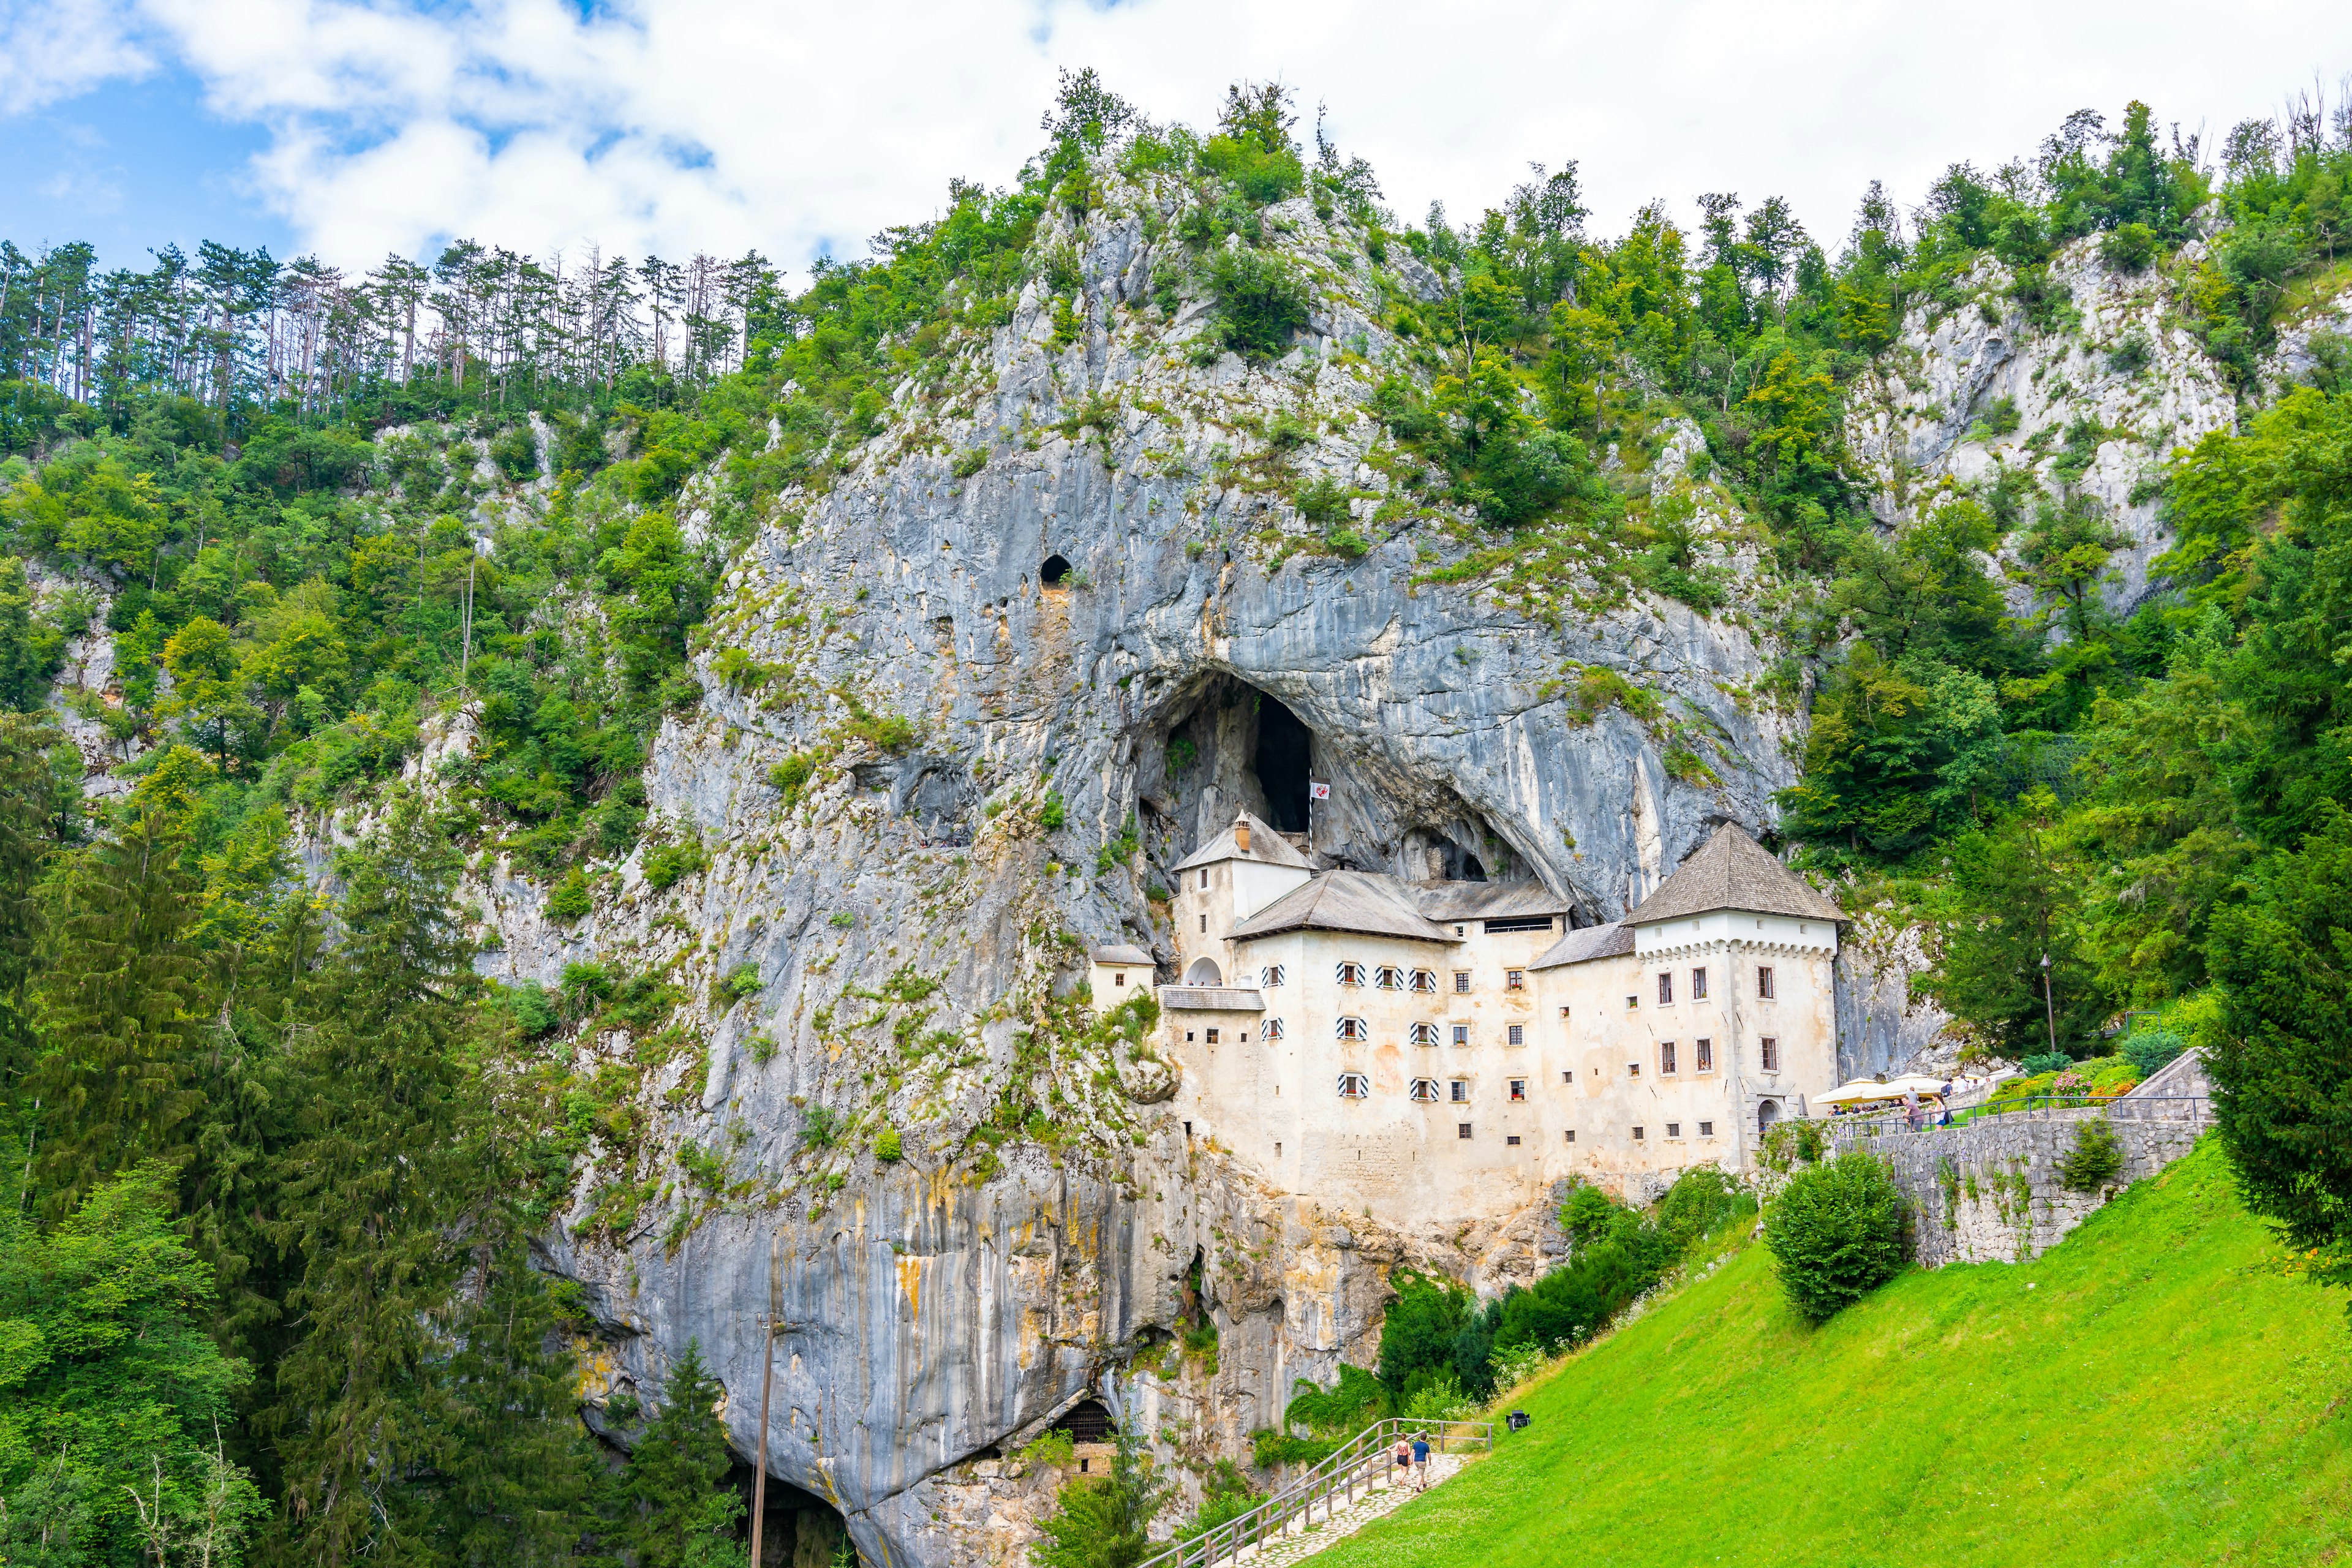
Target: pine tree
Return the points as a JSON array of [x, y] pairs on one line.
[[683, 1510], [27, 789], [373, 1192], [121, 1010]]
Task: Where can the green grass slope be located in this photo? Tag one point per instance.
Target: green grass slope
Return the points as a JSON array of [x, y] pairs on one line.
[[2155, 1390]]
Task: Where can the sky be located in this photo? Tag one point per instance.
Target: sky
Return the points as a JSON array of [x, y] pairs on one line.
[[352, 128]]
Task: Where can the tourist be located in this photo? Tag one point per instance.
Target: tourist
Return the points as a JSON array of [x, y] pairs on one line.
[[1403, 1459], [1420, 1461], [1911, 1110]]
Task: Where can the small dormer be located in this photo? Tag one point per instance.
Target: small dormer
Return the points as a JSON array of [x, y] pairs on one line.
[[1117, 974]]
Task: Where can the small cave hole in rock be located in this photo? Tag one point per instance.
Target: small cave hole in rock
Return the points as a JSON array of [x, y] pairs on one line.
[[802, 1531], [1055, 572]]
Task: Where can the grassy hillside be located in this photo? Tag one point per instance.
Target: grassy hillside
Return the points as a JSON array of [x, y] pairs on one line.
[[2156, 1390]]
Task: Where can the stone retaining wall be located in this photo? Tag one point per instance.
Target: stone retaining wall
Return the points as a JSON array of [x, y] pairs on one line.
[[1989, 1191]]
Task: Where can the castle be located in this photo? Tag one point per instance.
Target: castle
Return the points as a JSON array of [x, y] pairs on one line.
[[1435, 1049]]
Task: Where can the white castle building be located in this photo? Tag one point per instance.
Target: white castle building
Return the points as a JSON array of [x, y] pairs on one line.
[[1435, 1049]]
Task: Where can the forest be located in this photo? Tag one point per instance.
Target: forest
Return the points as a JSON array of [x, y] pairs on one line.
[[273, 1154]]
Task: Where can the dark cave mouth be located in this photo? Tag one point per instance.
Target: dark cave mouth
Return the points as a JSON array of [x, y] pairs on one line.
[[1282, 761]]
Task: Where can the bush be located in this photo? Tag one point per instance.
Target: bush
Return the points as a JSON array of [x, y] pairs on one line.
[[1053, 813], [528, 1005], [790, 778], [2129, 248], [888, 1146], [819, 1127], [971, 462], [1700, 1201], [2041, 1062], [1322, 502], [570, 901], [1836, 1234], [672, 863], [2152, 1049], [1264, 175], [2095, 1158], [1260, 305], [740, 981], [516, 453]]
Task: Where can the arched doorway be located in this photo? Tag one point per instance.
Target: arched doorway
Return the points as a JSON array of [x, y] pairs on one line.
[[1204, 972], [1767, 1113]]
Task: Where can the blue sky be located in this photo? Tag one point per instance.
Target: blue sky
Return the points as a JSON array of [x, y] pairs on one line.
[[353, 128]]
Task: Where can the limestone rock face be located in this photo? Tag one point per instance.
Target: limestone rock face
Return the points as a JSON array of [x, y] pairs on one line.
[[1058, 622], [1971, 388]]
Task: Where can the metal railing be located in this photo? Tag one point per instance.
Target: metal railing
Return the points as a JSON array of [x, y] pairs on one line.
[[2194, 1109], [1355, 1466]]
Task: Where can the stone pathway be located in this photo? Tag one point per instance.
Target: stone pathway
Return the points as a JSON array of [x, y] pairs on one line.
[[1311, 1533]]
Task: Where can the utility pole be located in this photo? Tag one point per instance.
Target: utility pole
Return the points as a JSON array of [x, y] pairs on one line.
[[2049, 1006]]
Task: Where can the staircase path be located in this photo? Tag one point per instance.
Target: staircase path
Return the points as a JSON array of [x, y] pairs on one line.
[[1337, 1518]]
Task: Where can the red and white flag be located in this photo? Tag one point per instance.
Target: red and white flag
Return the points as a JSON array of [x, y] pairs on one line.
[[1318, 791]]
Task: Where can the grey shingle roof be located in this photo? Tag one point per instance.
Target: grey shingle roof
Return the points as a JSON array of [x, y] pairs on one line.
[[1486, 901], [1611, 940], [1266, 844], [1365, 901], [1123, 954], [1732, 871]]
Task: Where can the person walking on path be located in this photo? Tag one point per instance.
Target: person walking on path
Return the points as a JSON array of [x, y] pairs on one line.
[[1420, 1461], [1911, 1109], [1404, 1461]]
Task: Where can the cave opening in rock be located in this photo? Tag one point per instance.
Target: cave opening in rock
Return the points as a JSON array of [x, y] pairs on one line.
[[1054, 572], [1087, 1420], [801, 1529], [1284, 747]]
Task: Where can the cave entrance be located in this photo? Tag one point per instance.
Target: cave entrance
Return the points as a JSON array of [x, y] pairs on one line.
[[801, 1531], [1284, 745], [1055, 572]]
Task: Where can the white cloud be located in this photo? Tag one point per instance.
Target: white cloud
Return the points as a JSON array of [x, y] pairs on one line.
[[689, 124], [54, 50]]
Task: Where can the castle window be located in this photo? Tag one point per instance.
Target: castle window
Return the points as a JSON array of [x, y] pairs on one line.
[[1674, 1129], [1705, 1061], [1245, 1036], [1213, 1037], [1424, 1089], [1461, 980], [1706, 1129], [1518, 922], [1632, 1003], [1424, 980], [1632, 1070], [1764, 982], [1462, 1130], [1519, 1088], [1570, 1135], [1518, 1034], [1354, 1029], [1770, 1049], [1637, 1135], [1272, 1031], [1666, 990], [1272, 974], [1515, 980], [1350, 973], [1459, 1092], [1204, 925], [1388, 977], [1666, 1056], [1119, 977], [1423, 1034], [1699, 985], [1354, 1086], [1188, 1036], [1512, 1139], [1204, 879], [1567, 1076], [1461, 1034]]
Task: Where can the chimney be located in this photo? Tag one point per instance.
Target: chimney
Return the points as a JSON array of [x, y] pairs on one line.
[[1241, 832]]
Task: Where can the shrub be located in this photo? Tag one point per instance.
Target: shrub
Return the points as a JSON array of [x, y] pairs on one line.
[[1345, 1408], [970, 461], [1264, 175], [888, 1146], [516, 453], [763, 1047], [670, 864], [1259, 303], [2129, 248], [2094, 1160], [2151, 1049], [791, 776], [2129, 357], [1346, 543], [569, 901], [1836, 1234], [819, 1127], [1053, 813], [1788, 1144], [1322, 502], [740, 981], [1700, 1201], [1226, 1495], [2041, 1062], [528, 1005]]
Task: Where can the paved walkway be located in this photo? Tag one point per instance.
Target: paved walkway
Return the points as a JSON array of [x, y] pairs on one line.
[[1318, 1529]]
